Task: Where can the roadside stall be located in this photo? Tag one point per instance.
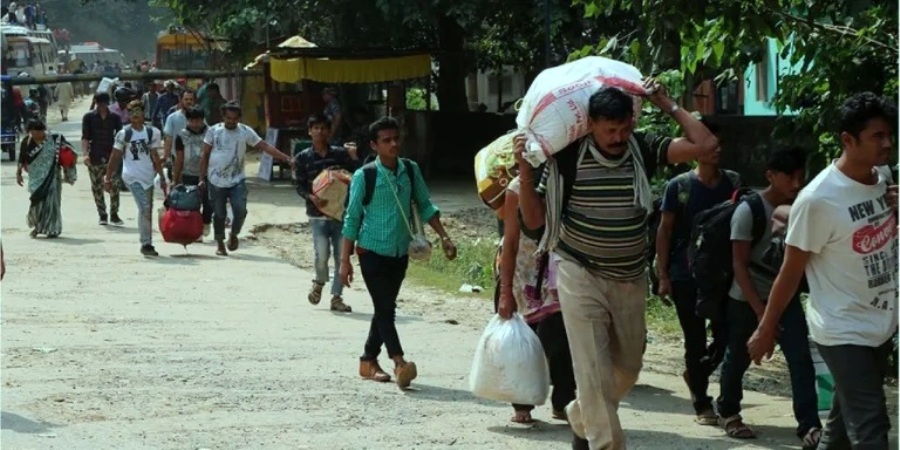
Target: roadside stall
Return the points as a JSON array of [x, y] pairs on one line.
[[297, 72]]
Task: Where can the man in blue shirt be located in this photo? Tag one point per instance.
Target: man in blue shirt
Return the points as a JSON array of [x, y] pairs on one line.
[[165, 102], [380, 232], [687, 195]]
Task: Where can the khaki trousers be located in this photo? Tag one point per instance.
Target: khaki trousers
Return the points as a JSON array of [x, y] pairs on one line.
[[606, 328]]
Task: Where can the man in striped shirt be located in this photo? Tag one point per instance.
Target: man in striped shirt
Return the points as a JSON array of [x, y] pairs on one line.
[[597, 230], [381, 233]]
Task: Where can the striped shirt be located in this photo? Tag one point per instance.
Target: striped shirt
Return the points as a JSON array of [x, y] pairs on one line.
[[601, 227], [378, 227]]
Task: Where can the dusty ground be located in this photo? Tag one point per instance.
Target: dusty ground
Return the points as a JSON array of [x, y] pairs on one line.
[[103, 349]]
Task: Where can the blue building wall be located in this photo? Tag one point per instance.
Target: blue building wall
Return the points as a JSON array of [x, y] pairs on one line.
[[777, 66]]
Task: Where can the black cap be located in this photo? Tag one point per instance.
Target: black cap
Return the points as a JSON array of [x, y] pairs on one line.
[[102, 97]]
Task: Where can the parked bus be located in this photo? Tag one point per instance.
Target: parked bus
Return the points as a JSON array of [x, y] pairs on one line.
[[25, 50], [83, 56]]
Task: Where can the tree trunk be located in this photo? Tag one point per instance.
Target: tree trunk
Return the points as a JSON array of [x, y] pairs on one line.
[[452, 67]]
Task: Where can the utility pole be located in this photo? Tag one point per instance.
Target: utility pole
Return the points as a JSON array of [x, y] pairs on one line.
[[547, 61]]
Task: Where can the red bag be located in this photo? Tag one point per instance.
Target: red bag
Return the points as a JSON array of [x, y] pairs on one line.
[[67, 157], [181, 227]]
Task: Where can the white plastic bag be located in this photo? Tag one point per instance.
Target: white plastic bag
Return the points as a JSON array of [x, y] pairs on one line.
[[554, 111], [509, 364]]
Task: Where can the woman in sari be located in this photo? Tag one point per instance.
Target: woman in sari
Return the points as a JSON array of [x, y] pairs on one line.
[[528, 285], [39, 156]]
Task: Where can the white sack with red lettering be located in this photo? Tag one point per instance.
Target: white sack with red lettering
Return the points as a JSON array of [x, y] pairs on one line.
[[554, 111]]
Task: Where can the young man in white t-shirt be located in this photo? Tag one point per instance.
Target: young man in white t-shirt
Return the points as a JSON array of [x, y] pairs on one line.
[[137, 146], [842, 233], [222, 165]]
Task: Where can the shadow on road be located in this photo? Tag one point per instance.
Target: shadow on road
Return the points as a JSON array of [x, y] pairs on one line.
[[65, 240], [538, 431], [441, 394], [19, 424], [368, 317]]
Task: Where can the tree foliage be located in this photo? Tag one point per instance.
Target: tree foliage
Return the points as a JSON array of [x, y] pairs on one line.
[[839, 48], [130, 27], [465, 34]]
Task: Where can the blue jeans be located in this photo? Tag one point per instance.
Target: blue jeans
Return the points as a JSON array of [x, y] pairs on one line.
[[327, 234], [794, 341], [220, 197], [144, 199]]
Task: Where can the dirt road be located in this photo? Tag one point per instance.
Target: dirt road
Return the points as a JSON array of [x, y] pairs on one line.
[[104, 349]]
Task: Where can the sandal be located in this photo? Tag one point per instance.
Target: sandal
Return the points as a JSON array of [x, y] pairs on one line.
[[522, 417], [315, 294], [811, 438], [560, 414], [735, 428], [338, 305], [707, 417]]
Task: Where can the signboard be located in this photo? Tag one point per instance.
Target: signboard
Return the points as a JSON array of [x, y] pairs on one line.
[[266, 162]]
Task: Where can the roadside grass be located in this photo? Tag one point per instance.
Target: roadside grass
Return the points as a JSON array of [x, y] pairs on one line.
[[473, 266]]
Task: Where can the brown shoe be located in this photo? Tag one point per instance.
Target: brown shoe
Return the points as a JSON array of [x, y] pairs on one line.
[[405, 374], [315, 293], [371, 370], [232, 242], [338, 305]]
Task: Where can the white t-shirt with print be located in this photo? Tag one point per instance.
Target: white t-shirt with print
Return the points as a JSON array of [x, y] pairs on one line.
[[851, 233], [226, 160], [137, 165]]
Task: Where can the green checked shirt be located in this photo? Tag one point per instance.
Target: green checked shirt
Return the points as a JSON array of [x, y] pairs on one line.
[[378, 227]]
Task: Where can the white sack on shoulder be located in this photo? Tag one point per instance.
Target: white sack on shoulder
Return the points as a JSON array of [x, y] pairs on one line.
[[509, 364], [554, 111]]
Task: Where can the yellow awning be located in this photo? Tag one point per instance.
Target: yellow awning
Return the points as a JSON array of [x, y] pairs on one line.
[[374, 70]]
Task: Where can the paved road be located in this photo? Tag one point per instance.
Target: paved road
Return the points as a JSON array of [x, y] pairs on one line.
[[104, 349]]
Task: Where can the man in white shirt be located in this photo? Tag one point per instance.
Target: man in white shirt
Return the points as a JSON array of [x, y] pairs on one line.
[[222, 165], [137, 146], [842, 233]]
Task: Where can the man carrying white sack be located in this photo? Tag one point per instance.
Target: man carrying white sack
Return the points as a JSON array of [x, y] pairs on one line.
[[597, 227]]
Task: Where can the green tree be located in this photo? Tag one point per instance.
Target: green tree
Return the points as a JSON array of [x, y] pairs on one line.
[[840, 48]]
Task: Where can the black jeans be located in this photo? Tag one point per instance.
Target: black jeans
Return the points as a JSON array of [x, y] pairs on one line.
[[859, 418], [700, 359], [383, 276], [206, 207], [794, 341], [552, 333]]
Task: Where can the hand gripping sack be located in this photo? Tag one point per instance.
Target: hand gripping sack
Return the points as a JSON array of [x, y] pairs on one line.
[[184, 198], [510, 365], [554, 111], [495, 167]]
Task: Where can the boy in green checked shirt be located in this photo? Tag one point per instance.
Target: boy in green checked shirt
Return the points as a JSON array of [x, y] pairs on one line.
[[381, 240]]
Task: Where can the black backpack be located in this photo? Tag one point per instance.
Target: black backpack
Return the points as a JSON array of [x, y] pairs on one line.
[[370, 175], [654, 218], [709, 250]]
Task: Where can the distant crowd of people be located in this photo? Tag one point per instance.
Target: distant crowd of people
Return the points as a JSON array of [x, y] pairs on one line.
[[29, 14]]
